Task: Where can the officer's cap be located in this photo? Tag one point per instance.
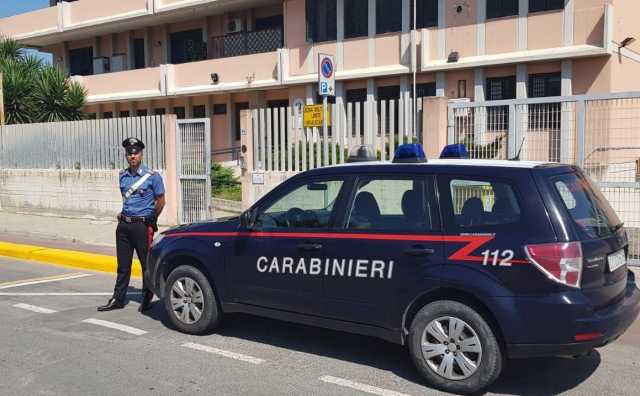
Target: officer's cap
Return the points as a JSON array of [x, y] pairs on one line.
[[132, 145]]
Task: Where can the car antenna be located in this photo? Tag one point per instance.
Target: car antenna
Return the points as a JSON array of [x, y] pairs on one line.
[[517, 157]]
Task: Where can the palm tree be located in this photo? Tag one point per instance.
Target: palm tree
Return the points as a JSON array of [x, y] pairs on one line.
[[34, 92]]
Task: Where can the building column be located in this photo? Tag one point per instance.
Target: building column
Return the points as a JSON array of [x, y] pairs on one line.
[[65, 58], [188, 107], [167, 44], [442, 37], [372, 33], [340, 34], [310, 96], [568, 13], [480, 122], [131, 62], [133, 111], [405, 38], [441, 84], [99, 112], [97, 46], [481, 35], [116, 109], [521, 120], [523, 15], [521, 81], [369, 113], [567, 142], [231, 120]]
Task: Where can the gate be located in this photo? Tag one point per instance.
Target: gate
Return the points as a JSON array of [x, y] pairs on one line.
[[599, 133], [193, 149]]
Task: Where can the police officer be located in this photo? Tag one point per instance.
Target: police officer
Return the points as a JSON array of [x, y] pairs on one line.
[[143, 200]]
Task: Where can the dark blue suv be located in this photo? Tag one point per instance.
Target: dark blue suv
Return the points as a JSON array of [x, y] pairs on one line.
[[468, 263]]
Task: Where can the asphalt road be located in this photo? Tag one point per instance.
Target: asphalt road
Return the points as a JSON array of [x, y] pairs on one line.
[[55, 343]]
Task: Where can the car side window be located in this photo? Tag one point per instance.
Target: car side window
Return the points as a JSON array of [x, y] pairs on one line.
[[386, 204], [305, 206], [483, 203]]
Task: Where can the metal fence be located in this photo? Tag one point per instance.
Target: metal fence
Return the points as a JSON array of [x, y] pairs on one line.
[[281, 143], [194, 169], [245, 43], [91, 144], [599, 133]]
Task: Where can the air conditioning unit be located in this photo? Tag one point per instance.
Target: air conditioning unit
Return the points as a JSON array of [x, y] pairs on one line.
[[234, 25], [118, 63], [101, 64]]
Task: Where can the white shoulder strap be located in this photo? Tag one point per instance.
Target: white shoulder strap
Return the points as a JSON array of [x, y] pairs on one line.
[[135, 186]]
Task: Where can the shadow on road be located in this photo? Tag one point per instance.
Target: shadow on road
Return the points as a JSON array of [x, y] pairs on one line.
[[520, 377]]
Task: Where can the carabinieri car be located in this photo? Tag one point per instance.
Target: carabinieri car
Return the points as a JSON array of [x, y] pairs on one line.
[[468, 263]]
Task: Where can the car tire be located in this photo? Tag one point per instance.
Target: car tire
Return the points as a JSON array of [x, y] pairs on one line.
[[469, 364], [190, 301]]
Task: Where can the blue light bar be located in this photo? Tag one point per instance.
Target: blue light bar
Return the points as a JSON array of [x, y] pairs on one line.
[[409, 154], [454, 151]]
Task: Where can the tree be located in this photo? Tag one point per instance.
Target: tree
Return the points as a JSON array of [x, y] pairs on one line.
[[34, 92]]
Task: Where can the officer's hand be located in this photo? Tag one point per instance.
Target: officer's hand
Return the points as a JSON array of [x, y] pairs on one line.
[[119, 216]]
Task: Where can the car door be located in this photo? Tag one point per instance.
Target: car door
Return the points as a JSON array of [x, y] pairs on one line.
[[275, 264], [389, 249]]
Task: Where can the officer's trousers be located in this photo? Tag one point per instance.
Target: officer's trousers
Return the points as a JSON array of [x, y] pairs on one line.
[[130, 237]]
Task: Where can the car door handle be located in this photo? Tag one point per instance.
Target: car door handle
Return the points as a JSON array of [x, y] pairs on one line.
[[310, 246], [419, 251]]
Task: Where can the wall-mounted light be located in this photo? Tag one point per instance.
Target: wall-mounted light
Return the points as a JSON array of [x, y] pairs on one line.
[[215, 78], [628, 41], [453, 57]]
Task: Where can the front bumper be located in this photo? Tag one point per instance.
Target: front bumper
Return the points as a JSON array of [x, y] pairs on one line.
[[611, 322]]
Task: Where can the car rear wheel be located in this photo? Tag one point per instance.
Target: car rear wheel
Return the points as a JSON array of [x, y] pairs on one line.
[[190, 301], [454, 348]]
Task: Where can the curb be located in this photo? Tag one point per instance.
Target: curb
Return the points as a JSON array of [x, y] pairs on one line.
[[66, 258]]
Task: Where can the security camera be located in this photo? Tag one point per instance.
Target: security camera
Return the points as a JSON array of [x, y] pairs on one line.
[[215, 78]]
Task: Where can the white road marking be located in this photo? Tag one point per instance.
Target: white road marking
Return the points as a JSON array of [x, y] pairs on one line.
[[116, 326], [33, 308], [65, 294], [42, 280], [227, 354], [361, 387]]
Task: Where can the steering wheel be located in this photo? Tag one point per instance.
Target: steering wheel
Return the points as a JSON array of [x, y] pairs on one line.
[[293, 217]]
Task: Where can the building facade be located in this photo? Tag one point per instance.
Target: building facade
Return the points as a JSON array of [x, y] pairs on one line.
[[214, 58]]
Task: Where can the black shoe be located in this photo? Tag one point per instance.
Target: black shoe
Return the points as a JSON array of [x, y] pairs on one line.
[[145, 305], [111, 305]]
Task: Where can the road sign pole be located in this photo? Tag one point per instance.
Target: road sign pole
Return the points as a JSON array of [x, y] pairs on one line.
[[325, 134]]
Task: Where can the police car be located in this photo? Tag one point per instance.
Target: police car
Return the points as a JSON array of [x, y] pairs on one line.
[[468, 263]]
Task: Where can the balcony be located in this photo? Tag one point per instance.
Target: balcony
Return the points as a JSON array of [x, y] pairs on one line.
[[91, 12], [33, 24], [245, 43], [130, 85]]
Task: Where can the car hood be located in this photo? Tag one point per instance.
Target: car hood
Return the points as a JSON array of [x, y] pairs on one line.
[[224, 224]]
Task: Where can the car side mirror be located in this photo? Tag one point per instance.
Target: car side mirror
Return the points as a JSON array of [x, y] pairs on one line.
[[248, 219]]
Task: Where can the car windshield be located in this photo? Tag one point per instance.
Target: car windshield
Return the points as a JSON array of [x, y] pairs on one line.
[[586, 205]]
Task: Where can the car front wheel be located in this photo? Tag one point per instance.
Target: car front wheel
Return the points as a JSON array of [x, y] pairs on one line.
[[454, 348], [190, 301]]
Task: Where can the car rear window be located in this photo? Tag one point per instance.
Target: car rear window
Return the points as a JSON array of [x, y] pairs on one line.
[[478, 203], [586, 205]]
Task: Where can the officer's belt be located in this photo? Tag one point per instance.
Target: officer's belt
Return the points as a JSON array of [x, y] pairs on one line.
[[134, 219]]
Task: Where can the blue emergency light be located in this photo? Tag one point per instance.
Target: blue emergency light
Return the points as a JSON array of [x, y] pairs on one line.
[[409, 154], [454, 151]]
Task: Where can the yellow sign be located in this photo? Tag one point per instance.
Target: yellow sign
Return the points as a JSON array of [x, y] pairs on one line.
[[313, 116]]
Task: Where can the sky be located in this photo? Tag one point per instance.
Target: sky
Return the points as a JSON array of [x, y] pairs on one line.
[[14, 7]]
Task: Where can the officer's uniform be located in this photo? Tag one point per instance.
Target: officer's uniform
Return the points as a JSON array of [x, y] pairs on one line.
[[136, 224]]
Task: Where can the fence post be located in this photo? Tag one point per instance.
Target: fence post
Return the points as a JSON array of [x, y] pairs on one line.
[[580, 113], [247, 160], [512, 135], [451, 125]]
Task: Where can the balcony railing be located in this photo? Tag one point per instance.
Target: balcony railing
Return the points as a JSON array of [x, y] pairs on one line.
[[245, 43]]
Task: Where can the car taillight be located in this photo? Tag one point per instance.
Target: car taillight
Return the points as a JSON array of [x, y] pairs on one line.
[[561, 262]]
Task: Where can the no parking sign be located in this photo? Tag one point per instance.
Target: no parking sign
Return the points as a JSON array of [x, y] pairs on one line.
[[326, 75]]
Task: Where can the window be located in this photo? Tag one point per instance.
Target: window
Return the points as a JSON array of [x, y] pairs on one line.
[[502, 8], [219, 109], [125, 114], [159, 111], [543, 85], [546, 116], [357, 96], [387, 94], [142, 113], [545, 5], [138, 54], [356, 16], [388, 16], [199, 111], [425, 90], [107, 115], [91, 116], [390, 204], [499, 88], [239, 107], [272, 22], [179, 112], [321, 18], [187, 47], [308, 206], [483, 203], [588, 208], [81, 61], [427, 11]]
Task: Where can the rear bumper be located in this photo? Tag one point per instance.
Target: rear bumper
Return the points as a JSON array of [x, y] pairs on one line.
[[611, 322]]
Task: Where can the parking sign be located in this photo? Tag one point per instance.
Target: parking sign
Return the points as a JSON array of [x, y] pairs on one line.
[[326, 75]]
